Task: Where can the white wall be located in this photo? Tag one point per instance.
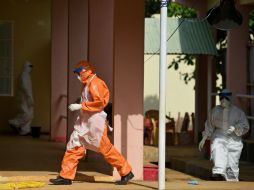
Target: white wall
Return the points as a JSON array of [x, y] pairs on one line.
[[180, 97]]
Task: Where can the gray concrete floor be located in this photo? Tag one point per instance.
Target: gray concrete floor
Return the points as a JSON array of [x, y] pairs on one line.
[[189, 160], [28, 159]]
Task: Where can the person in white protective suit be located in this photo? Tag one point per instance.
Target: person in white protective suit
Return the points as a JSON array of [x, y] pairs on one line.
[[225, 125], [22, 122]]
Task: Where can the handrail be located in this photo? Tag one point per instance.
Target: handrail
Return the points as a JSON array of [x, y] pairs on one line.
[[250, 84], [250, 117], [63, 117], [63, 96], [213, 93], [245, 96]]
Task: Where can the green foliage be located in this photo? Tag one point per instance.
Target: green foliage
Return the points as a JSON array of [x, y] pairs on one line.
[[221, 46], [174, 9], [251, 22], [186, 59], [177, 10], [251, 25], [152, 7]]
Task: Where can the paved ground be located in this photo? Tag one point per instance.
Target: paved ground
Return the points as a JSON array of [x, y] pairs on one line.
[[24, 158], [176, 185], [91, 180]]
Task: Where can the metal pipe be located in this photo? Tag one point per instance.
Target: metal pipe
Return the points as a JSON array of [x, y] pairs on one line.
[[244, 96], [250, 117], [162, 96], [250, 84]]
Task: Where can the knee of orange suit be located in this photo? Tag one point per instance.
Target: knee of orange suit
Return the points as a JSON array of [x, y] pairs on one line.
[[78, 151], [70, 162]]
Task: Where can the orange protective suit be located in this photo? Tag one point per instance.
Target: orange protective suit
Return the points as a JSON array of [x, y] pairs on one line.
[[90, 129]]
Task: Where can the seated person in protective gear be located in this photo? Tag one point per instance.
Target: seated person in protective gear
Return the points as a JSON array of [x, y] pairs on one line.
[[225, 126], [90, 129]]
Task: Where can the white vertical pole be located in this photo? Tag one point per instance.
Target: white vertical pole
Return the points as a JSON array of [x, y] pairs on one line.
[[162, 109]]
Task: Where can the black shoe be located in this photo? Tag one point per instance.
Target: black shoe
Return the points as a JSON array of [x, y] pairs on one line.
[[60, 181], [15, 128], [217, 177], [125, 179]]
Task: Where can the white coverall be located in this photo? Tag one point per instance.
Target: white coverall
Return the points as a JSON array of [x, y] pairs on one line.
[[226, 148], [25, 102]]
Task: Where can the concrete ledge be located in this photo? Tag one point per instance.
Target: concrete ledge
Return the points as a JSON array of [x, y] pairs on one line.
[[247, 152], [189, 160], [196, 167]]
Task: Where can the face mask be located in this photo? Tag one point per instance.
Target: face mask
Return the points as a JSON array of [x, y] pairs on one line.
[[78, 77], [28, 68], [225, 103], [84, 75]]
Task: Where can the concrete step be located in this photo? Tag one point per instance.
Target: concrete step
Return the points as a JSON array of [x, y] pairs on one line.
[[189, 160]]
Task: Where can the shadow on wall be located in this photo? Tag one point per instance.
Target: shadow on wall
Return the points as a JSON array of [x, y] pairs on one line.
[[151, 102]]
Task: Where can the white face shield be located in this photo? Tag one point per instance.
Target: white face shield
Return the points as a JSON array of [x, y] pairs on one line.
[[225, 97]]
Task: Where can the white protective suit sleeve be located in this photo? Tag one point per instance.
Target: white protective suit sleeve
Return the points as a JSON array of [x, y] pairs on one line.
[[26, 84], [242, 126], [207, 133], [209, 128]]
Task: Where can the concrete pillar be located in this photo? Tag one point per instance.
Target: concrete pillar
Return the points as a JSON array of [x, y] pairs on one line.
[[237, 59], [101, 32], [77, 50], [128, 81], [101, 57], [69, 46], [59, 62], [200, 95], [201, 90]]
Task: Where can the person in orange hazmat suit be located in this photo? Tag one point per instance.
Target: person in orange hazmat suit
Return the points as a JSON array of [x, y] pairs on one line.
[[90, 129]]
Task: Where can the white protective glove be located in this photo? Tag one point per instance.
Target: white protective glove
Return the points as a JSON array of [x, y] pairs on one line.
[[74, 107], [230, 130], [202, 142]]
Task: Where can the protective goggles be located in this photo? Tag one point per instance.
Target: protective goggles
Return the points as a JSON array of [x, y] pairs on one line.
[[78, 70], [225, 95]]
